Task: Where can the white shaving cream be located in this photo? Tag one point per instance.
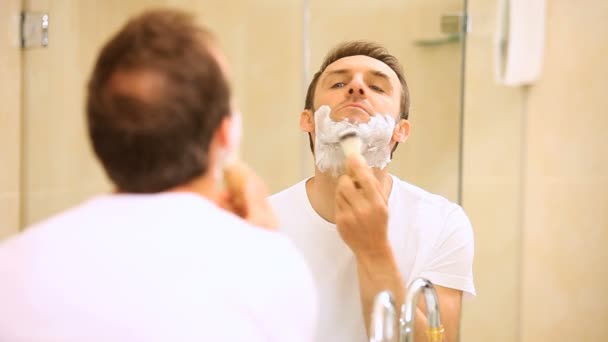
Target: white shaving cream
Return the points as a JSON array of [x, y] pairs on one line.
[[375, 136]]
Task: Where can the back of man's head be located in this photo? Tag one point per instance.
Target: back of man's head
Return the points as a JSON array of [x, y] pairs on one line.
[[156, 96]]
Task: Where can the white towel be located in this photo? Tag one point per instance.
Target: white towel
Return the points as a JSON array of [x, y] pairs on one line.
[[520, 41]]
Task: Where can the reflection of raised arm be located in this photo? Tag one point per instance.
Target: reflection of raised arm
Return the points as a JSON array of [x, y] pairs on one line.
[[450, 301], [362, 221]]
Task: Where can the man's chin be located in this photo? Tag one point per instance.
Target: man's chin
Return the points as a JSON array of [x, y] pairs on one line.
[[337, 172], [333, 171]]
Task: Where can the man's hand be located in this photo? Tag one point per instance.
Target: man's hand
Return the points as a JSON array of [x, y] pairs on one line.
[[362, 221], [247, 197], [361, 210]]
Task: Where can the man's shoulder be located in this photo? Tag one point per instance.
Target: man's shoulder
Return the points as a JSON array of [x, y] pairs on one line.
[[48, 226], [178, 216], [426, 206], [96, 222], [415, 194]]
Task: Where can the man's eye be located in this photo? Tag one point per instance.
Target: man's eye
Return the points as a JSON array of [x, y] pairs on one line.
[[338, 85], [376, 88]]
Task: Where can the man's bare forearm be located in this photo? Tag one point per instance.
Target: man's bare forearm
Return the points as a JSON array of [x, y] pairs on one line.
[[379, 273]]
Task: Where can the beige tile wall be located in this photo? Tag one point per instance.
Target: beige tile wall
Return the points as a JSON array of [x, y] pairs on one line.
[[59, 168], [263, 42], [565, 269], [536, 183], [492, 185], [10, 118]]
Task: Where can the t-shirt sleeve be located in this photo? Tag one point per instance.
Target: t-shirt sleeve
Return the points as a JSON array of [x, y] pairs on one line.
[[450, 262]]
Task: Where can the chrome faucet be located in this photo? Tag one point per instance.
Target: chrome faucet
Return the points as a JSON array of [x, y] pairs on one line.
[[383, 319], [408, 311], [383, 314]]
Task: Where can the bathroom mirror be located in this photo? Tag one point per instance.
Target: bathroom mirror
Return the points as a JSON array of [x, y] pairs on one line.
[[274, 46]]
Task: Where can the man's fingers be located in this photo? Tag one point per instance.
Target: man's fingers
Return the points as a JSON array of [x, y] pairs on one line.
[[341, 203], [224, 201], [248, 196], [363, 176], [345, 216], [349, 192], [353, 163]]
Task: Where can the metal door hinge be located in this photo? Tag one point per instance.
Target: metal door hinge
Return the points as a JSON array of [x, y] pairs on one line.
[[452, 26], [454, 23], [34, 29]]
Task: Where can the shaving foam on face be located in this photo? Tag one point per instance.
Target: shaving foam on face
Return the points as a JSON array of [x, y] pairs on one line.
[[375, 136]]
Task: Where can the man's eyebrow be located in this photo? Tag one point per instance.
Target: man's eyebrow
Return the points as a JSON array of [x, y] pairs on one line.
[[337, 72], [375, 73], [380, 74], [328, 74]]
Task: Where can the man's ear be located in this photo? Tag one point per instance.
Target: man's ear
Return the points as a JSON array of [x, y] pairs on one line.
[[401, 131], [307, 121], [228, 134], [222, 135]]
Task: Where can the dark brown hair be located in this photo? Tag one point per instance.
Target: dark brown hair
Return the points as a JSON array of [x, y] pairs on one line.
[[156, 96], [360, 48]]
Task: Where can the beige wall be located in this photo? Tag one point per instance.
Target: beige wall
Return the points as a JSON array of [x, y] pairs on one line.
[[536, 183], [565, 268], [58, 167], [10, 117], [492, 185]]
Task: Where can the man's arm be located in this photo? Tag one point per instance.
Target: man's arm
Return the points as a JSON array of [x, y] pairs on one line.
[[450, 304], [362, 221], [382, 274]]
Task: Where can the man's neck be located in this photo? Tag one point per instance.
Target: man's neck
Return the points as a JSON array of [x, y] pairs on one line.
[[321, 191]]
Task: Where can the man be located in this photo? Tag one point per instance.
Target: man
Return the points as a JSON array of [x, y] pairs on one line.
[[361, 229], [159, 260]]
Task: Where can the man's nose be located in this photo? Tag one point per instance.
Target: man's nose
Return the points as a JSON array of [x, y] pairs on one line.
[[356, 87], [356, 90]]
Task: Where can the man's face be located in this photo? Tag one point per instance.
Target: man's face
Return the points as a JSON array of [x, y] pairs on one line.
[[358, 87]]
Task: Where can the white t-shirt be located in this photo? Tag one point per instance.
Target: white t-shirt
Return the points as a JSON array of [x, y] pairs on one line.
[[165, 267], [430, 236]]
